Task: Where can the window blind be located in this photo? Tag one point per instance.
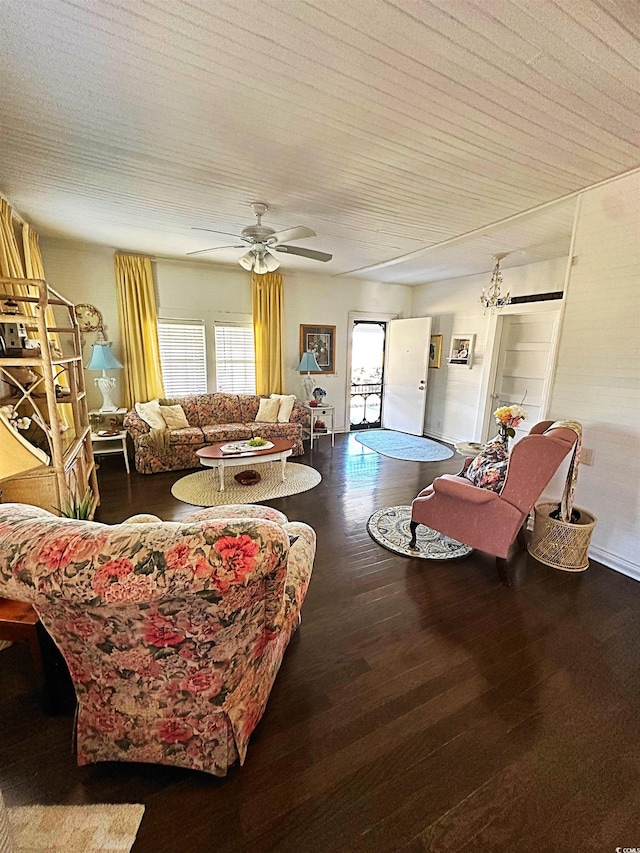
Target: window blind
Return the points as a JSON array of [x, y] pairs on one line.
[[183, 355], [235, 358]]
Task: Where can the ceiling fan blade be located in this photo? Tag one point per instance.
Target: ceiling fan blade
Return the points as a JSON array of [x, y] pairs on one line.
[[214, 249], [212, 231], [297, 233], [304, 253]]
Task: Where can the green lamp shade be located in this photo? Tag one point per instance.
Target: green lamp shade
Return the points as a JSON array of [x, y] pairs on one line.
[[103, 359], [308, 362]]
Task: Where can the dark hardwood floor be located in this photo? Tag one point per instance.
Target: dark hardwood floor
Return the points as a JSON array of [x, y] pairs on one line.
[[421, 707]]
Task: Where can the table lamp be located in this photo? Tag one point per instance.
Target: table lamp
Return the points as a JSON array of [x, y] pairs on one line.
[[308, 362], [103, 359]]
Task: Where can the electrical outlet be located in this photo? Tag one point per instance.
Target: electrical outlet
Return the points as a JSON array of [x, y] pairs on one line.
[[586, 456]]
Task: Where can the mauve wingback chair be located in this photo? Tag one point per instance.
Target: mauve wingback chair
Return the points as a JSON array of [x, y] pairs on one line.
[[483, 519], [173, 632]]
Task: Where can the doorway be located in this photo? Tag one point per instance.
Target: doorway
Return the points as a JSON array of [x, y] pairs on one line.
[[522, 373], [368, 341]]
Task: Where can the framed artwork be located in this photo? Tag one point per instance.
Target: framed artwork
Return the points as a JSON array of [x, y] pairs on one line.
[[462, 350], [321, 341], [435, 350]]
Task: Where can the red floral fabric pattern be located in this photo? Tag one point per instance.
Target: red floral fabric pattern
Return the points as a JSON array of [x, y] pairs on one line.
[[173, 632], [489, 469], [205, 410], [218, 409], [225, 432], [237, 511], [249, 405]]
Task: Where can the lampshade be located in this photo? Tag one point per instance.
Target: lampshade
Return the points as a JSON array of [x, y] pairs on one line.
[[102, 358], [272, 262], [308, 362], [246, 261], [17, 455], [259, 260], [260, 266]]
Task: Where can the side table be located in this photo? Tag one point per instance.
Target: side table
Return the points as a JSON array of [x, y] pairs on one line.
[[319, 413], [469, 448], [105, 445]]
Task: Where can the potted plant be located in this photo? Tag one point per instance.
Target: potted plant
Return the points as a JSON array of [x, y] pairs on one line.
[[77, 507], [318, 395], [562, 532]]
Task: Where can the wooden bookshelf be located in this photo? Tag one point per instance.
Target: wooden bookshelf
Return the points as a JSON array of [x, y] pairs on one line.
[[71, 468]]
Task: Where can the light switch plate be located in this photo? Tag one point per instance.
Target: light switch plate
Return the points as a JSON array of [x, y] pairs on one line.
[[586, 456]]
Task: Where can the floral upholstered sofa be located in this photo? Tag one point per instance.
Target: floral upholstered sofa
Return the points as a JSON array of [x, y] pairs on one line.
[[173, 632], [211, 417]]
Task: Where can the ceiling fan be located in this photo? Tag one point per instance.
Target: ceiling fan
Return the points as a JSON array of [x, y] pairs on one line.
[[263, 241]]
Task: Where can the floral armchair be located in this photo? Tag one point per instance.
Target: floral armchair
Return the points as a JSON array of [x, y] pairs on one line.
[[173, 632]]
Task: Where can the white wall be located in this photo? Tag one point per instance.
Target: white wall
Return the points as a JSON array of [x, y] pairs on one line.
[[597, 376], [597, 380], [326, 301], [188, 290], [85, 273], [453, 391]]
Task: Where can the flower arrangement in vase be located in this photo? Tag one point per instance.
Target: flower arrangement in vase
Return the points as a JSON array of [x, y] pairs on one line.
[[508, 418], [318, 395]]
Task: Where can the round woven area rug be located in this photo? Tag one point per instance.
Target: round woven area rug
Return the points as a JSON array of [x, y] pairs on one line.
[[389, 527], [201, 488]]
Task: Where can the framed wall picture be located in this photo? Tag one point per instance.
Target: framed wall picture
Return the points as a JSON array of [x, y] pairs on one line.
[[462, 349], [321, 341], [435, 351]]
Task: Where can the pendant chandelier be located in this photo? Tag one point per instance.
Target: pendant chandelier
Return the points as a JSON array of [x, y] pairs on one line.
[[491, 298]]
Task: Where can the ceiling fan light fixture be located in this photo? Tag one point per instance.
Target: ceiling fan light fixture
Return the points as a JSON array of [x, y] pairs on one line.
[[247, 261], [271, 262], [260, 266]]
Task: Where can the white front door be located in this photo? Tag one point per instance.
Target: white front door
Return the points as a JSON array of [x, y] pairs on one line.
[[523, 367], [405, 374]]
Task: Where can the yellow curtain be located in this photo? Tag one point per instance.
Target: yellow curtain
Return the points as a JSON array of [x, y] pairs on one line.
[[34, 268], [11, 267], [10, 260], [33, 265], [268, 332], [139, 329]]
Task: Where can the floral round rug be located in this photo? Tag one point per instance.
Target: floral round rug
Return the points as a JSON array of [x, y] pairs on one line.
[[389, 527]]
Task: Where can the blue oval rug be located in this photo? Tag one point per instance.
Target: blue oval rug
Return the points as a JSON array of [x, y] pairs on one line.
[[401, 445]]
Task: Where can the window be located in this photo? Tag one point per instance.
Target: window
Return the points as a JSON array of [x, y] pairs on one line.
[[235, 358], [183, 355]]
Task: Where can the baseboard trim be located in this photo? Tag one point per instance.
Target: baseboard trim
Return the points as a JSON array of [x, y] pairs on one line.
[[612, 561], [441, 437]]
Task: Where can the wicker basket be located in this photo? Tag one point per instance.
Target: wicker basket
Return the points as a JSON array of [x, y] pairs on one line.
[[560, 544]]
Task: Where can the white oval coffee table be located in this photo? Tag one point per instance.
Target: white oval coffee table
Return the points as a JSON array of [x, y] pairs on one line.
[[213, 457]]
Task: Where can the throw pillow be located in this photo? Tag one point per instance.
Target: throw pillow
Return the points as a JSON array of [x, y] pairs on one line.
[[268, 411], [174, 417], [489, 469], [286, 406], [150, 414]]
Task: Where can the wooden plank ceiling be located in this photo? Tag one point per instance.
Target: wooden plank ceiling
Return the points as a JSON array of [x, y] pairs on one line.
[[387, 126]]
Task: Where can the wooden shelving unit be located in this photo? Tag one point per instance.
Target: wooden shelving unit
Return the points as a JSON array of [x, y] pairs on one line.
[[71, 469]]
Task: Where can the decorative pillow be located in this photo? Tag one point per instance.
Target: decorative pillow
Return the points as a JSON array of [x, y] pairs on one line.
[[286, 406], [268, 411], [174, 417], [489, 469], [150, 414]]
